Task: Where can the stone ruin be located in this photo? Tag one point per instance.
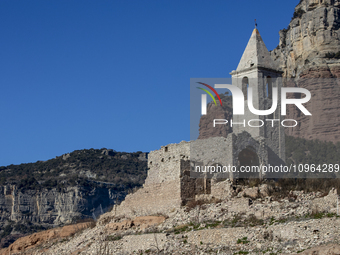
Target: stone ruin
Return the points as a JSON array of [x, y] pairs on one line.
[[170, 183]]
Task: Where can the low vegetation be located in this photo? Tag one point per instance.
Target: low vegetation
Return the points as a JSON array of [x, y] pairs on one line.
[[91, 167], [298, 13], [333, 55]]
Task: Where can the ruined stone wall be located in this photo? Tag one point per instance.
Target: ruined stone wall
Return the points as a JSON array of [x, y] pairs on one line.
[[219, 151], [160, 198], [211, 152], [170, 183], [162, 191], [164, 164]]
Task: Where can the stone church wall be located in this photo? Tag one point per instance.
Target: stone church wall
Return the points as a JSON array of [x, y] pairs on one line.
[[171, 183]]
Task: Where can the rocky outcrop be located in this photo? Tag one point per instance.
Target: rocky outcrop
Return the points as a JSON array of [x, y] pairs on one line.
[[31, 210], [309, 49], [206, 128], [311, 34], [52, 207], [31, 241]]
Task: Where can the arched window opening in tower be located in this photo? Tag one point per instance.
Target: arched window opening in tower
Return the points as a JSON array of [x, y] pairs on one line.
[[269, 87], [245, 85]]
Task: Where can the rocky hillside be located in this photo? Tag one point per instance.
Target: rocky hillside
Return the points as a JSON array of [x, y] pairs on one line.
[[77, 185], [309, 53], [251, 220]]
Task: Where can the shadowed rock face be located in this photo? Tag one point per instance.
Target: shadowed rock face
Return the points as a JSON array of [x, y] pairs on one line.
[[324, 124], [308, 53], [206, 128], [5, 242]]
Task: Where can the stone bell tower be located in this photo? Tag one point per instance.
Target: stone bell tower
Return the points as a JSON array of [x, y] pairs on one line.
[[257, 71]]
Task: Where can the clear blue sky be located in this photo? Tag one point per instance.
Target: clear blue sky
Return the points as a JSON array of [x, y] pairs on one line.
[[116, 74]]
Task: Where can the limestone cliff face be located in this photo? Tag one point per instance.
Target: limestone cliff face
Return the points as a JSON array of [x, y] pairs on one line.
[[77, 185], [309, 49], [50, 207], [313, 33], [323, 83]]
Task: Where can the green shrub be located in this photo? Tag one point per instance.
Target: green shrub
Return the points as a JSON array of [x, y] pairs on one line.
[[6, 231], [242, 252], [243, 240], [298, 13], [113, 238], [333, 55], [123, 172]]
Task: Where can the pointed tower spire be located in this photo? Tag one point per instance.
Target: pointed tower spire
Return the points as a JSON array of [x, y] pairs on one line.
[[256, 54]]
